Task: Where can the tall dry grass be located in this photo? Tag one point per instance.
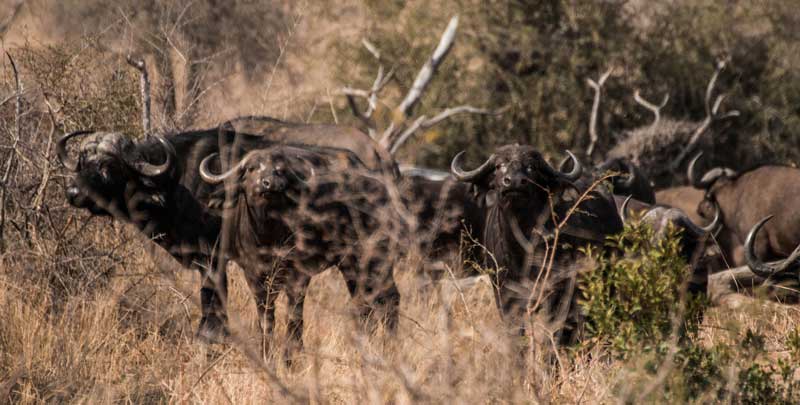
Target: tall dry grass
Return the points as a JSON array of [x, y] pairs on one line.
[[88, 316]]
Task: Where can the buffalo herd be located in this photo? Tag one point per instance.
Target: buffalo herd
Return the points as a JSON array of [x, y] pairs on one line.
[[286, 201]]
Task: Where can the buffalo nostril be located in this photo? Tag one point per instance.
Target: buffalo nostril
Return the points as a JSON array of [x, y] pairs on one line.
[[506, 181], [72, 192], [265, 183]]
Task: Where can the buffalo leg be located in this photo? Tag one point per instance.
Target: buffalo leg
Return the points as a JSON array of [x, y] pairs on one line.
[[265, 290], [213, 295], [375, 292], [296, 295]]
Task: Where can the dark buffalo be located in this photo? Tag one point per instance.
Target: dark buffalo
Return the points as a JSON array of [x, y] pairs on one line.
[[373, 155], [154, 185], [745, 198], [523, 199], [307, 209], [298, 211], [629, 178]]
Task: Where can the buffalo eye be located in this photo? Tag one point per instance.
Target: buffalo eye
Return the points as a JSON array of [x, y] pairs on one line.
[[529, 169]]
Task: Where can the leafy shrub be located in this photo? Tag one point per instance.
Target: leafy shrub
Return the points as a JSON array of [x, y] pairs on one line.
[[636, 293]]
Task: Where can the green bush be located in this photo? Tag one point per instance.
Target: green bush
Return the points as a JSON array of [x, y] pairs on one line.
[[636, 293]]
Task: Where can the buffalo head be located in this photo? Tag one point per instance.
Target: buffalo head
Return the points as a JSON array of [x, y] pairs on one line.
[[711, 181], [275, 176], [515, 176], [112, 173]]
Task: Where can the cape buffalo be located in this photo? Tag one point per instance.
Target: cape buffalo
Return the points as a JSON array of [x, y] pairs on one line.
[[630, 180], [694, 238], [298, 211], [307, 209], [743, 199], [685, 198], [154, 185], [522, 195]]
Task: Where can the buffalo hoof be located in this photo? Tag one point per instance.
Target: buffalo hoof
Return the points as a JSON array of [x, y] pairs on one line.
[[212, 331]]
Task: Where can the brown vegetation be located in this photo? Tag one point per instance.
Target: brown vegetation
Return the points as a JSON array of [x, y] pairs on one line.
[[91, 312]]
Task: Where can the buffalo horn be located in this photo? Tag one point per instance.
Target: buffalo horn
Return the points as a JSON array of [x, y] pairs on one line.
[[623, 209], [469, 175], [61, 149], [148, 169], [212, 178], [577, 169], [755, 264]]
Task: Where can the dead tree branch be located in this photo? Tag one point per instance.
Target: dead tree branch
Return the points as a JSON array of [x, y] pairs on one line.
[[655, 109], [371, 96], [144, 88], [597, 86], [401, 127], [712, 115], [422, 123], [429, 69]]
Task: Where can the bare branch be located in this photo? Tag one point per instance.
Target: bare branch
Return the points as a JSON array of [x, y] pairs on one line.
[[423, 122], [371, 48], [712, 115], [655, 109], [378, 84], [144, 88], [40, 193], [598, 90], [429, 69]]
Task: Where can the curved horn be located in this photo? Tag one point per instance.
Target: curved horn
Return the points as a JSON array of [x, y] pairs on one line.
[[755, 264], [714, 174], [628, 183], [150, 170], [61, 149], [623, 209], [693, 180], [469, 175], [577, 168], [715, 222], [211, 178]]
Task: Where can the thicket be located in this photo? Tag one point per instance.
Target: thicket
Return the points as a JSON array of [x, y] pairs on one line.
[[534, 56], [637, 309]]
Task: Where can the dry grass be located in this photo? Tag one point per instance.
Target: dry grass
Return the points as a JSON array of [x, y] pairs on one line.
[[86, 317], [132, 340]]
